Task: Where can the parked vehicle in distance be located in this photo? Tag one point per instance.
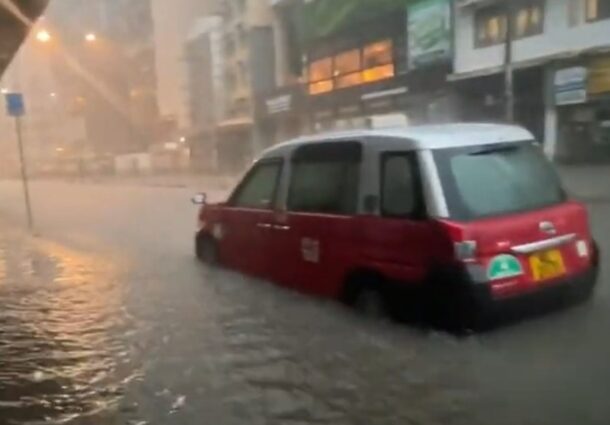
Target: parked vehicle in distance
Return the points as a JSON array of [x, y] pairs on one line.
[[466, 217]]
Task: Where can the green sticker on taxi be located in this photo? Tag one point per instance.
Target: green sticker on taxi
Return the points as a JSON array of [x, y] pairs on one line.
[[504, 267]]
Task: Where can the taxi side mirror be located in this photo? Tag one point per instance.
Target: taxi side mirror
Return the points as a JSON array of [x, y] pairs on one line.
[[199, 199]]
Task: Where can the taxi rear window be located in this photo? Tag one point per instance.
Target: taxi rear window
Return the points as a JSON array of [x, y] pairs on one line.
[[499, 179]]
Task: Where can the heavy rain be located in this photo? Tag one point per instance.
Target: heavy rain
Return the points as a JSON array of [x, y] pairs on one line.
[[122, 302]]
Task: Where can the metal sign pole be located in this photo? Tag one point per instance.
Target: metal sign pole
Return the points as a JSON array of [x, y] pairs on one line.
[[24, 174]]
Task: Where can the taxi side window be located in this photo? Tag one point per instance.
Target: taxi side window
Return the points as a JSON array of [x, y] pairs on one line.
[[258, 190], [400, 185], [325, 178]]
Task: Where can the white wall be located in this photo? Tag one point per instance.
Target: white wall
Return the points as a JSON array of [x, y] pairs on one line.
[[558, 37]]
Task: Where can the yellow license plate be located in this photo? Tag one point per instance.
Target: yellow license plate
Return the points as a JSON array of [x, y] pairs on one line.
[[547, 265]]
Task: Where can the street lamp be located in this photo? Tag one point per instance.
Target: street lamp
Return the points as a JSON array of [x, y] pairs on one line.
[[43, 36], [90, 37]]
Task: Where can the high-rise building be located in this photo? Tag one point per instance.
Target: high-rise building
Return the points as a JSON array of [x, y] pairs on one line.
[[105, 60], [205, 89], [249, 69], [173, 22]]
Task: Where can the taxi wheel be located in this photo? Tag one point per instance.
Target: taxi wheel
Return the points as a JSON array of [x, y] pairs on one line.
[[363, 292], [206, 249], [371, 303]]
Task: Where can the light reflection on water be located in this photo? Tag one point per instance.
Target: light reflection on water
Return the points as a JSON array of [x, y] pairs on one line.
[[61, 322]]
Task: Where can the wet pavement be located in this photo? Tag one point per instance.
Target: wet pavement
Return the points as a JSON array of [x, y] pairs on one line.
[[106, 318]]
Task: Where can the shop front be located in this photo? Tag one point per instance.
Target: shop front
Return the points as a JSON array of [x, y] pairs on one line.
[[281, 115], [386, 72], [582, 100], [410, 99]]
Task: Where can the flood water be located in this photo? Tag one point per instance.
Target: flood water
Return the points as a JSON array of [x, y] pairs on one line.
[[106, 318]]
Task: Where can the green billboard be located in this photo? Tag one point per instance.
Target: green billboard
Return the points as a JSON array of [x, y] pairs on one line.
[[322, 18], [429, 32]]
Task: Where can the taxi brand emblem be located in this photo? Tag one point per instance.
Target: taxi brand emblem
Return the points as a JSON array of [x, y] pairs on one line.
[[548, 228]]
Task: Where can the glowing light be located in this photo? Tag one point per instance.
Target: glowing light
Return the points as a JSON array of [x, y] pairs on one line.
[[91, 37], [43, 36]]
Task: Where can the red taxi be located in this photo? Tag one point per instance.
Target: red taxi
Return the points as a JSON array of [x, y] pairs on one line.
[[468, 215]]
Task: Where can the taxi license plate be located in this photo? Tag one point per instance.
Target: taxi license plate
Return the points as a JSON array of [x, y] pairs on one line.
[[547, 265]]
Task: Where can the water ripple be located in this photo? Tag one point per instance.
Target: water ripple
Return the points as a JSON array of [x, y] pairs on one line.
[[61, 326]]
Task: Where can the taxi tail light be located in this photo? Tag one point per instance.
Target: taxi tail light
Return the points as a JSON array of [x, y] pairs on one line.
[[463, 249]]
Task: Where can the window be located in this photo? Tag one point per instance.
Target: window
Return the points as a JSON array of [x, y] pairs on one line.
[[517, 178], [490, 26], [259, 187], [325, 179], [490, 22], [597, 9], [321, 76], [347, 68], [378, 54], [378, 61], [400, 191], [528, 19], [373, 62]]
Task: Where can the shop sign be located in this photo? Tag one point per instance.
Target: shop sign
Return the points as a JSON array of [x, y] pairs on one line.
[[385, 93], [571, 86], [429, 32], [599, 76], [279, 104]]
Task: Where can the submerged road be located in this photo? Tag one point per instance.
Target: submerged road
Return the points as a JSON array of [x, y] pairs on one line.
[[106, 318]]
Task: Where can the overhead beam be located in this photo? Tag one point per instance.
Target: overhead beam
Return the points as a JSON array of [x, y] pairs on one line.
[[16, 17]]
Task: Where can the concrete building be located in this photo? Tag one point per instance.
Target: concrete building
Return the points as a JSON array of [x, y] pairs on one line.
[[249, 69], [366, 67], [561, 56], [173, 21], [205, 89], [103, 60]]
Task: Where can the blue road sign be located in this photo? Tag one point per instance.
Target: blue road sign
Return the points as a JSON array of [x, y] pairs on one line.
[[15, 105]]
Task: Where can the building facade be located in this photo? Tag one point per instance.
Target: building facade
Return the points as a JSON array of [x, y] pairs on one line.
[[385, 66], [205, 90], [560, 55], [248, 68], [104, 61]]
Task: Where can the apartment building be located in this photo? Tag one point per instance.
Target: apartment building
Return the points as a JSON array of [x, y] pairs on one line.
[[561, 57], [249, 68], [205, 89]]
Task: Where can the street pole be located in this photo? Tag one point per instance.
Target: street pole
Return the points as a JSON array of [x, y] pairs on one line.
[[24, 174], [509, 90]]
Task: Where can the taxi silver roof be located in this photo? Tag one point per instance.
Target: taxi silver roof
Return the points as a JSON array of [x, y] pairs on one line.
[[424, 137]]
